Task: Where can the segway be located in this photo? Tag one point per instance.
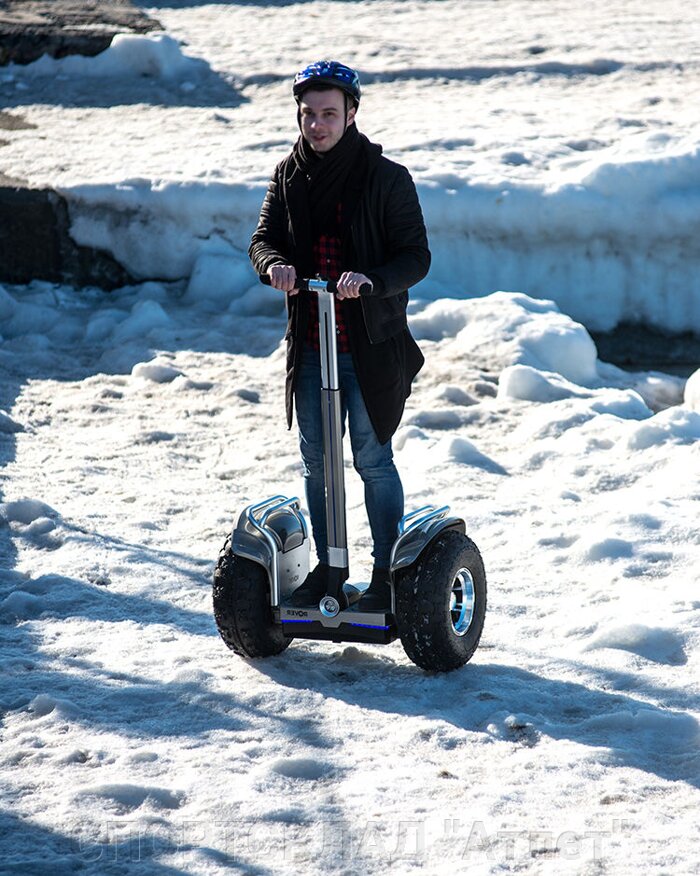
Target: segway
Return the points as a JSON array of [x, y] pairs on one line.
[[438, 583]]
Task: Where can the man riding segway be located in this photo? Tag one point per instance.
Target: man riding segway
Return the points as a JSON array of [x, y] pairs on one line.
[[338, 209]]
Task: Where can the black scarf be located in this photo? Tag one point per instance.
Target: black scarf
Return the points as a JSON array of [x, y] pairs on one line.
[[317, 184]]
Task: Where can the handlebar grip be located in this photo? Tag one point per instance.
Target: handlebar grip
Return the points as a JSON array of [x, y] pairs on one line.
[[303, 285], [300, 283]]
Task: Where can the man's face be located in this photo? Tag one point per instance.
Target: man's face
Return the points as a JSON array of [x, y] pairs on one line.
[[323, 117]]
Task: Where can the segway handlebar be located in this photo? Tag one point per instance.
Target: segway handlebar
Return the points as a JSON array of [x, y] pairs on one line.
[[316, 285]]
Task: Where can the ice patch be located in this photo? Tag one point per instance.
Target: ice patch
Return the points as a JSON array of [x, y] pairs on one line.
[[258, 300], [186, 221], [30, 319], [444, 318], [658, 390], [589, 418]]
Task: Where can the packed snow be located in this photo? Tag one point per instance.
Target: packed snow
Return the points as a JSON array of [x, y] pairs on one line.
[[135, 425]]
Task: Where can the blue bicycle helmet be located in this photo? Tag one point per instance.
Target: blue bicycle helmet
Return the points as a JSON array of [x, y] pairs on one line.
[[331, 73]]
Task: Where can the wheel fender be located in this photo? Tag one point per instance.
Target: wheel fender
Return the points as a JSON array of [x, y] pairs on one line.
[[248, 542], [409, 546]]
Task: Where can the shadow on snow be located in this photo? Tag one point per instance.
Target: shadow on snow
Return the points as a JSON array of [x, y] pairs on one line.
[[113, 847], [628, 732]]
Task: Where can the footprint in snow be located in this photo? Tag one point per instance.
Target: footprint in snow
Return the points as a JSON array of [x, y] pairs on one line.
[[154, 437], [305, 768], [249, 395], [127, 798]]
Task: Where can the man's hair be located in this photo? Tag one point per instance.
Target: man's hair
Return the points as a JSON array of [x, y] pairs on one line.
[[348, 99]]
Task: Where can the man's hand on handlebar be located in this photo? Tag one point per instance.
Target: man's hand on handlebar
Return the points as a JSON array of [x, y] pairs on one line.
[[349, 284], [283, 277]]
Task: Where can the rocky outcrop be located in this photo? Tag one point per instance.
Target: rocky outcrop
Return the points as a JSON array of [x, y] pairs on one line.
[[35, 244], [32, 28]]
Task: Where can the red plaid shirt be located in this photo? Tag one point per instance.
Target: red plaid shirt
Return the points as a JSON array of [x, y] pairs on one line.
[[327, 255]]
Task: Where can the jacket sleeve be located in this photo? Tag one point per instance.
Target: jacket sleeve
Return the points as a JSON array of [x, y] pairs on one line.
[[268, 242], [406, 240]]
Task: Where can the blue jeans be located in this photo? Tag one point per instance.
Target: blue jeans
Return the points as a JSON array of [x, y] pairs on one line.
[[373, 461]]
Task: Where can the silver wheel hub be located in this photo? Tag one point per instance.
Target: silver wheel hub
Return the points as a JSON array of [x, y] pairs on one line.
[[462, 602]]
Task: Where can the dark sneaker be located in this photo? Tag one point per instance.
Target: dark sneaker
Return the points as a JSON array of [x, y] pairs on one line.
[[313, 588], [377, 597]]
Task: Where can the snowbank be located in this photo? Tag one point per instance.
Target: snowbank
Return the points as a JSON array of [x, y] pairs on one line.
[[527, 331], [615, 241], [157, 228], [129, 55]]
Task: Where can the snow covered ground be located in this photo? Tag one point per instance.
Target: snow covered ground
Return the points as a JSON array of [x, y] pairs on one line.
[[134, 426], [556, 144]]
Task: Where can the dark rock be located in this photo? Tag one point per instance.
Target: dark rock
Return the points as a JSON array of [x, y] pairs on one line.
[[15, 122], [35, 244], [641, 347], [32, 28]]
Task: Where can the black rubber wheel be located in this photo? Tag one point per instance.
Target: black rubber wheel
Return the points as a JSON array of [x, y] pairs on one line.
[[441, 603], [242, 607]]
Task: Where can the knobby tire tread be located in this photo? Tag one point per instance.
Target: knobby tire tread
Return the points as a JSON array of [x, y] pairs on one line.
[[242, 607], [422, 600]]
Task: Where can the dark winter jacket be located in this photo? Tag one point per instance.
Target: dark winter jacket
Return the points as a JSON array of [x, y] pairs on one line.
[[389, 244]]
